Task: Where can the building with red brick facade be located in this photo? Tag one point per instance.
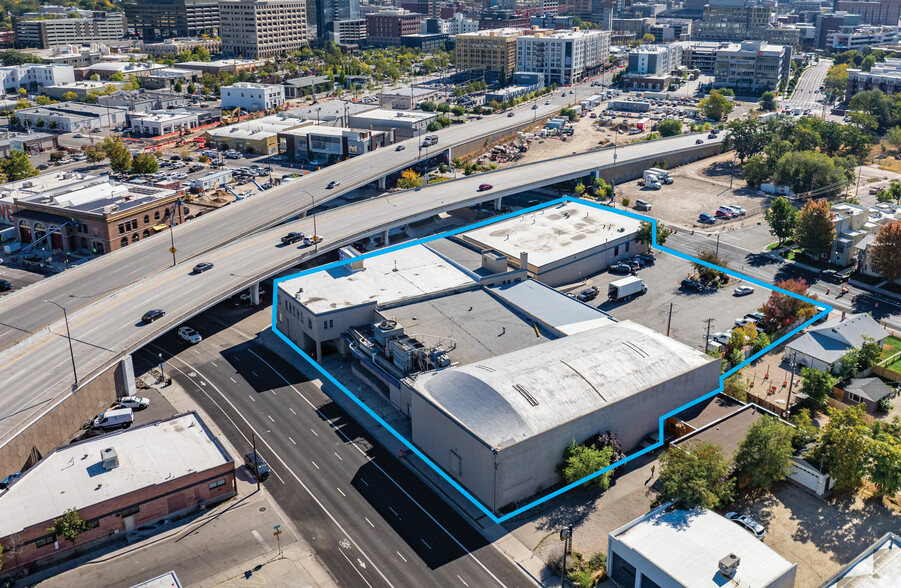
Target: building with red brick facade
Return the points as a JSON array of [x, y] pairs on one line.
[[386, 28], [116, 483]]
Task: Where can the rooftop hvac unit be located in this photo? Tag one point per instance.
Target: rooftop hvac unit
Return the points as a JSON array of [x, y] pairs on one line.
[[729, 564], [110, 458], [386, 330]]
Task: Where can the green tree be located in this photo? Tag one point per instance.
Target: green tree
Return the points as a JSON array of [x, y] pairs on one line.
[[768, 101], [579, 189], [695, 477], [715, 106], [645, 232], [817, 385], [648, 39], [847, 365], [805, 431], [580, 461], [669, 128], [736, 387], [764, 455], [868, 62], [443, 108], [869, 351], [756, 171], [884, 467], [815, 231], [69, 526], [760, 343], [893, 137], [117, 77], [843, 448], [602, 189], [42, 100], [178, 87], [144, 163], [704, 270], [894, 191], [884, 254], [836, 79], [782, 217], [17, 166], [191, 88], [458, 111], [810, 171], [94, 77], [119, 156], [427, 106], [746, 137], [95, 154]]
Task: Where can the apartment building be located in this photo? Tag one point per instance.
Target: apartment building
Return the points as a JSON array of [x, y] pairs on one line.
[[348, 31], [884, 76], [651, 66], [563, 57], [386, 28], [671, 29], [456, 25], [164, 19], [737, 20], [252, 97], [880, 12], [47, 32], [331, 16], [494, 50], [752, 67], [262, 28]]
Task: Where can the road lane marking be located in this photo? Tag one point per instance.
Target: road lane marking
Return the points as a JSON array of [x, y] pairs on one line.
[[462, 580], [291, 440], [314, 463], [233, 380], [395, 512], [364, 481], [405, 559], [426, 544], [292, 411], [254, 374], [259, 539], [293, 473], [338, 456], [270, 418], [357, 569], [342, 493], [251, 397], [213, 363], [368, 521]]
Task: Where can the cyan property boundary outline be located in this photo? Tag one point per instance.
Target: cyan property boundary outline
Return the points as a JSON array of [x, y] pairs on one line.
[[325, 374]]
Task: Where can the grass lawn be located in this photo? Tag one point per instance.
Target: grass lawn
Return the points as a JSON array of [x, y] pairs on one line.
[[895, 367], [892, 346], [777, 245]]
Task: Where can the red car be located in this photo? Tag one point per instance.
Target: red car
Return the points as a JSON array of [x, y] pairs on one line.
[[484, 187], [723, 214]]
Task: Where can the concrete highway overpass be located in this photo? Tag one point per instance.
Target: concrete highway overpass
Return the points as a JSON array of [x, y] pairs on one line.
[[36, 373]]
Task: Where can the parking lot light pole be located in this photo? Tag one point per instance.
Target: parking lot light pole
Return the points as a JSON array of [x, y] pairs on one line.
[[68, 336]]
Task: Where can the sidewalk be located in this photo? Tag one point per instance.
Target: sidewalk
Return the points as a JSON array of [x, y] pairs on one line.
[[494, 533]]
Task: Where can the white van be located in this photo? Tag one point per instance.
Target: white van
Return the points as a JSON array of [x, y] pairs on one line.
[[114, 418]]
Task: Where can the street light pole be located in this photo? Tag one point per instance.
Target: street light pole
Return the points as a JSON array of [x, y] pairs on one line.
[[68, 336], [566, 535], [312, 206]]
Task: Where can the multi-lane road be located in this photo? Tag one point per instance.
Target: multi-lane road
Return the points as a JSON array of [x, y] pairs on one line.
[[38, 369], [369, 519], [807, 93]]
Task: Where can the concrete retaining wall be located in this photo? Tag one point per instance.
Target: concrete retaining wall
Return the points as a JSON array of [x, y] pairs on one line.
[[476, 146]]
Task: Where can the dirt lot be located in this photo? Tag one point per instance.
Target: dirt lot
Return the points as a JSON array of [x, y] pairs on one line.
[[821, 536]]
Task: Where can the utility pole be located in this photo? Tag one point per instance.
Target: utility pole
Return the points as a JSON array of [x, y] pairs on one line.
[[791, 382], [256, 459], [717, 254], [709, 321]]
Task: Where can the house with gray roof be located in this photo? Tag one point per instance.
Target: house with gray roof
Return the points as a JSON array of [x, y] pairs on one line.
[[867, 391], [823, 347]]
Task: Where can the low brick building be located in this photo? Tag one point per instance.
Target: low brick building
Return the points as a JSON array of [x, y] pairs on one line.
[[116, 483]]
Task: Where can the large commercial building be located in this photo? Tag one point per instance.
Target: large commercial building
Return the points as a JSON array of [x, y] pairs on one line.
[[666, 30], [405, 124], [155, 123], [753, 67], [255, 136], [347, 32], [884, 76], [697, 549], [494, 50], [860, 37], [262, 28], [117, 483], [651, 66], [325, 143], [175, 46], [72, 117], [44, 33], [331, 12], [496, 371], [33, 76], [252, 97], [386, 28], [165, 19], [737, 20], [563, 57], [873, 12], [701, 55]]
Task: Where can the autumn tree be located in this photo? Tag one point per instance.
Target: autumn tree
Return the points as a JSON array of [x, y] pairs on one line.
[[409, 179], [95, 154], [17, 166], [782, 217], [119, 156], [69, 96], [815, 231], [884, 254], [764, 455], [697, 476], [844, 447], [780, 310]]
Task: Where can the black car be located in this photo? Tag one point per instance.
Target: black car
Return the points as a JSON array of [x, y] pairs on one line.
[[648, 258], [5, 285], [292, 237], [333, 184], [257, 466], [152, 315], [202, 267], [621, 268], [833, 276], [690, 284], [588, 294]]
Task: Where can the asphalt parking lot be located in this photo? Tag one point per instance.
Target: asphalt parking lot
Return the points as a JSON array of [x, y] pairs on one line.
[[690, 310], [19, 278]]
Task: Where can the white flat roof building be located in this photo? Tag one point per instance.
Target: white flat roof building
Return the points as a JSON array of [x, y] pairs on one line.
[[252, 97], [685, 548], [565, 243], [163, 122]]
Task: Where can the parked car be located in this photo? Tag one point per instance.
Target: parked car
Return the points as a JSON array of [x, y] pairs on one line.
[[484, 187], [647, 257], [745, 321], [292, 237], [257, 466], [621, 268], [833, 276], [722, 338], [588, 294], [643, 205], [133, 402], [152, 315], [743, 291], [333, 184], [5, 285], [705, 218], [748, 523], [189, 335], [720, 213], [690, 284], [737, 210], [202, 267]]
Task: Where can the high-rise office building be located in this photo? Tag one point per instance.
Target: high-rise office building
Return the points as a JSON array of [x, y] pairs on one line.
[[329, 12], [165, 19], [43, 32], [257, 29]]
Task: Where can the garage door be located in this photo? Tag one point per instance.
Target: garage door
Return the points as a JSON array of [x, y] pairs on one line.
[[623, 573]]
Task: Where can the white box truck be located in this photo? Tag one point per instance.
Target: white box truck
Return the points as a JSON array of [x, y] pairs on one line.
[[662, 175], [626, 289]]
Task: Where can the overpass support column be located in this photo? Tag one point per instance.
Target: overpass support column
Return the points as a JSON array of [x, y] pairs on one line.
[[497, 203], [385, 237], [448, 155], [382, 183], [255, 294], [595, 174]]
